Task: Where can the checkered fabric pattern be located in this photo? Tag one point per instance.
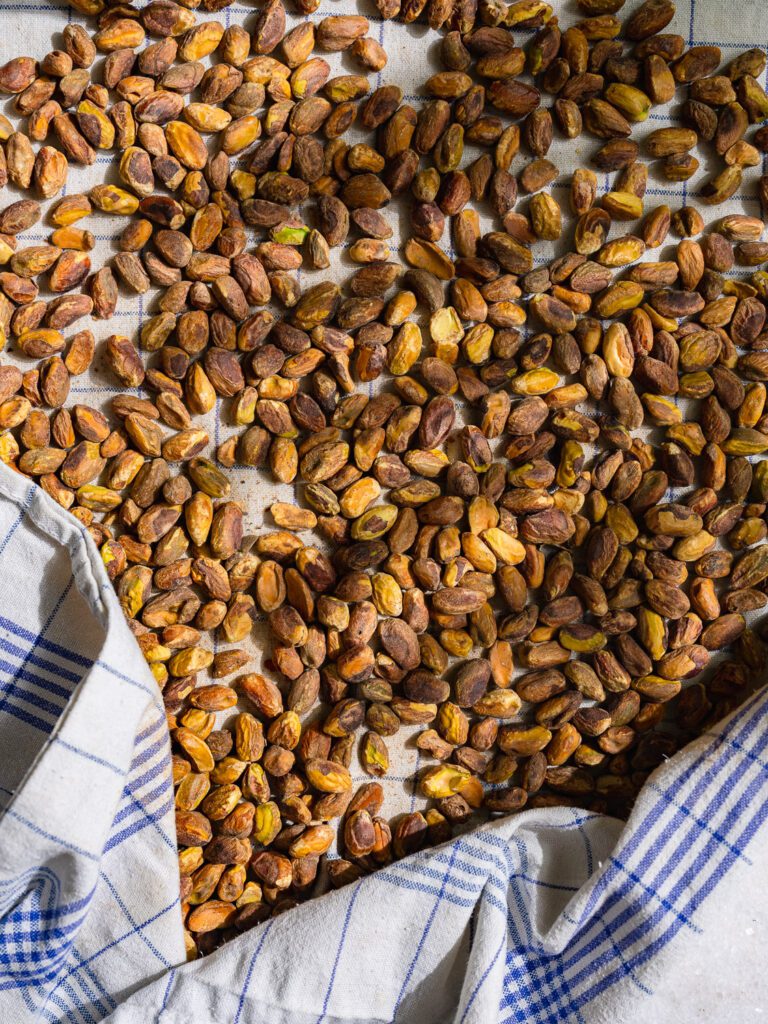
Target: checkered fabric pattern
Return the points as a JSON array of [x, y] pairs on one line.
[[88, 889], [545, 918], [553, 916]]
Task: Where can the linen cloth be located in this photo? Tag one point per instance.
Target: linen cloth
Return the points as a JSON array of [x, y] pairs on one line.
[[549, 916]]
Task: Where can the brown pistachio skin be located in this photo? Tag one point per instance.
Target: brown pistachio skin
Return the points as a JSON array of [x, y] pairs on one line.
[[480, 545]]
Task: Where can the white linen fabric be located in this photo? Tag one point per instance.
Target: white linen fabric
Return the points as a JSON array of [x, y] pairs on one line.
[[550, 916], [89, 903]]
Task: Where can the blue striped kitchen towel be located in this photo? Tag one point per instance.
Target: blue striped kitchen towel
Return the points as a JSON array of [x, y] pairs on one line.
[[89, 904], [551, 916]]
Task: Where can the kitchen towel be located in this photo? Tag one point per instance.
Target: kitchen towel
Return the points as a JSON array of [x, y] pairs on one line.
[[547, 917]]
